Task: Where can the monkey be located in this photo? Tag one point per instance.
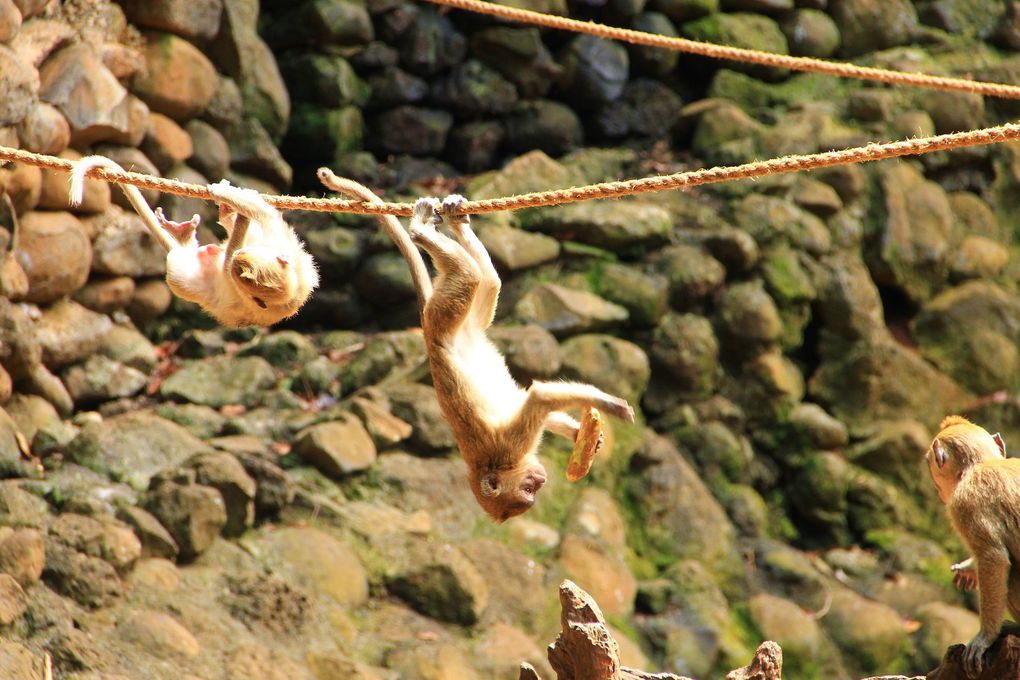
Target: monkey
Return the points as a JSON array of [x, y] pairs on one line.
[[981, 490], [259, 275], [497, 424]]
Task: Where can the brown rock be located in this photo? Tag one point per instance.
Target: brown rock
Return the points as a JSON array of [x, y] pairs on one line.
[[155, 539], [13, 600], [152, 298], [123, 245], [124, 61], [181, 81], [243, 55], [19, 88], [23, 555], [137, 123], [88, 580], [337, 448], [44, 129], [605, 576], [18, 662], [6, 385], [29, 8], [211, 154], [95, 104], [160, 635], [10, 20], [321, 563], [107, 295], [23, 185], [38, 39], [193, 19], [55, 254], [166, 142], [193, 514], [69, 333]]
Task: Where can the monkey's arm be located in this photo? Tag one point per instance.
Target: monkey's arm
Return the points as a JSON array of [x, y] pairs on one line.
[[419, 274], [77, 190], [964, 574], [237, 236]]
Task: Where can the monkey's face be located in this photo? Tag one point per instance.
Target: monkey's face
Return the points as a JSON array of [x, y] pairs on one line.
[[508, 493]]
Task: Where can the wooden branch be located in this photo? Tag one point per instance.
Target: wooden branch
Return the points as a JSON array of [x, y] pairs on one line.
[[1002, 660], [584, 649]]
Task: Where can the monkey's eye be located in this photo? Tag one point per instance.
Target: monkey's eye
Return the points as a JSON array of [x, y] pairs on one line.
[[528, 489], [259, 302], [939, 452], [492, 483]]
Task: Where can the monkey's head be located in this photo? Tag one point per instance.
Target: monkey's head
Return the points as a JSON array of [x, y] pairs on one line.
[[507, 493], [270, 279], [959, 445]]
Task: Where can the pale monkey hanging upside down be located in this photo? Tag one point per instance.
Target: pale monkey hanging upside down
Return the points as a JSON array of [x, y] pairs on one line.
[[498, 424], [981, 490]]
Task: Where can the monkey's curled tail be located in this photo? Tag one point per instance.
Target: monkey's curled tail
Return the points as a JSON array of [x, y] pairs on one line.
[[419, 273], [77, 193]]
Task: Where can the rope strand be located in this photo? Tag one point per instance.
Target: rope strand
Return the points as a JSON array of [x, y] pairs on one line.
[[716, 51], [680, 180]]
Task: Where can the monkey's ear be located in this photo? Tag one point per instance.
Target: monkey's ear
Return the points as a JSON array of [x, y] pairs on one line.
[[940, 453], [1001, 442]]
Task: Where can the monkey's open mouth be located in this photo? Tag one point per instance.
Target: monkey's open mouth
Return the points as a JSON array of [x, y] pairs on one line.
[[259, 302]]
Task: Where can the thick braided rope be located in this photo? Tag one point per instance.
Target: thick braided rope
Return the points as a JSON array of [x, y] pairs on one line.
[[833, 68], [680, 180]]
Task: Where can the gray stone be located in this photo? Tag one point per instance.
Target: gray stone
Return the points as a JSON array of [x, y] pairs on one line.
[[133, 447], [616, 366], [102, 379], [617, 225], [416, 404], [155, 540], [565, 311], [595, 71], [193, 514], [870, 25], [545, 125], [531, 352], [223, 472], [337, 448], [441, 582], [513, 249], [219, 381], [23, 555]]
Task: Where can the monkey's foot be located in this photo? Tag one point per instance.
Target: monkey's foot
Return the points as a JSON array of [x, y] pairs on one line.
[[451, 204], [424, 219], [618, 408], [182, 232], [209, 255], [973, 656]]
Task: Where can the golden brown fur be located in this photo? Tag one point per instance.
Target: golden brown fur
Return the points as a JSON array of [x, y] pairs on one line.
[[498, 425], [981, 490], [260, 275]]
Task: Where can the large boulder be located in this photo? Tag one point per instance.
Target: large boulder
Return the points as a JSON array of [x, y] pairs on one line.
[[972, 332], [180, 81]]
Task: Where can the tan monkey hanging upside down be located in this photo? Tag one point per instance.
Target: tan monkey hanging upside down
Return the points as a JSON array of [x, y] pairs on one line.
[[259, 275], [981, 490], [498, 424]]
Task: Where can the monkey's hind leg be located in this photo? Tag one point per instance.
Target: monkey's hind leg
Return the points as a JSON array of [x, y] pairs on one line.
[[457, 283], [484, 309], [545, 398], [562, 424]]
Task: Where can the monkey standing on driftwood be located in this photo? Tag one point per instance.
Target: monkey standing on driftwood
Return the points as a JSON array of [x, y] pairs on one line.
[[498, 425], [981, 490], [259, 275]]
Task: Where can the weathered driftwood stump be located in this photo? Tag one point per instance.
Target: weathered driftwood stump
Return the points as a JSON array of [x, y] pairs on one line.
[[1002, 660], [584, 649]]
